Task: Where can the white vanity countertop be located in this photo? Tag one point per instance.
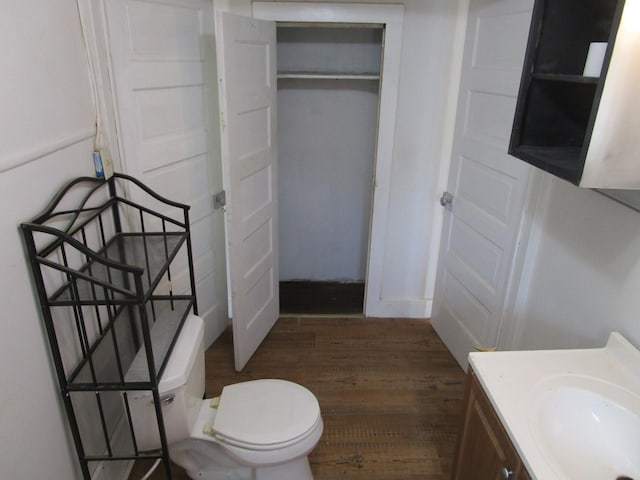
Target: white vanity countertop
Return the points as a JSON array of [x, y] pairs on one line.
[[511, 380]]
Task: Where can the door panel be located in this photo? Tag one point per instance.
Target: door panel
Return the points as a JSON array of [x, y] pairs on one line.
[[161, 54], [484, 262], [489, 187], [247, 78]]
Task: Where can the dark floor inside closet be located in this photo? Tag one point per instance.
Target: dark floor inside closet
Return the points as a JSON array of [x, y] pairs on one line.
[[321, 298]]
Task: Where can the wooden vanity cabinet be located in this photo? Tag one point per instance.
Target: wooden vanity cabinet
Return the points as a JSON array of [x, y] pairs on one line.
[[484, 449]]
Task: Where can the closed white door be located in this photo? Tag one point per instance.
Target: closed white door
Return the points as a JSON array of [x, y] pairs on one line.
[[163, 66], [246, 50], [487, 186]]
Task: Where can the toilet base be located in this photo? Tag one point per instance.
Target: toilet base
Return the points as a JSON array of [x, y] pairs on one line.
[[298, 469], [207, 461]]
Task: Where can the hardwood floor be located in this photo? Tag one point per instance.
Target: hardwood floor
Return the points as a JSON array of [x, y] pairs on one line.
[[389, 391]]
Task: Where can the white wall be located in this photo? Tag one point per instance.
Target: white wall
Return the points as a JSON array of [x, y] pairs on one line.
[[326, 145], [33, 115], [326, 149], [425, 79], [583, 275], [46, 104]]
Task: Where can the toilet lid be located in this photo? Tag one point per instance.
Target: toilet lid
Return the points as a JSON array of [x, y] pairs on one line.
[[265, 413]]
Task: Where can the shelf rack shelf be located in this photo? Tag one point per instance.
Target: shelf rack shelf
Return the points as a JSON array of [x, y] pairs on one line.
[[102, 266]]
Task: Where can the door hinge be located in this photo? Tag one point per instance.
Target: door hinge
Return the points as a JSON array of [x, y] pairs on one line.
[[482, 348], [219, 200], [223, 123]]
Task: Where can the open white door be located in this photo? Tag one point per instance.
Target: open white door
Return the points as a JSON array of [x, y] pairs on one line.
[[487, 186], [246, 50], [162, 59]]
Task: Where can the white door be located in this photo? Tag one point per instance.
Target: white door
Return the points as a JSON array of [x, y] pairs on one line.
[[246, 51], [163, 66], [487, 185]]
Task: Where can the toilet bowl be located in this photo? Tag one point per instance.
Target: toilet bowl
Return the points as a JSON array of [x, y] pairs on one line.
[[255, 430]]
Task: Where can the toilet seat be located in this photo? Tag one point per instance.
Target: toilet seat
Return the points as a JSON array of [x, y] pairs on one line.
[[265, 414]]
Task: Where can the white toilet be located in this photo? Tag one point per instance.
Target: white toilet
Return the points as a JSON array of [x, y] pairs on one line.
[[257, 430]]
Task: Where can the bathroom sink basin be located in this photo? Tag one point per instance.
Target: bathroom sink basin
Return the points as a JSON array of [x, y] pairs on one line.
[[587, 428]]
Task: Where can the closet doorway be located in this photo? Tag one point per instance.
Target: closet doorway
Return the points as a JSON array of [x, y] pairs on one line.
[[388, 20], [328, 103]]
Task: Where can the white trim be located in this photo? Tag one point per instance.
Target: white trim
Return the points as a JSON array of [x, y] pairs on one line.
[[521, 264], [328, 12], [447, 144], [107, 470], [403, 308], [46, 148], [93, 20], [537, 206], [392, 16]]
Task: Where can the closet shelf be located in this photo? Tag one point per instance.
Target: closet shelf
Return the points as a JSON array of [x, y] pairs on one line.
[[328, 76]]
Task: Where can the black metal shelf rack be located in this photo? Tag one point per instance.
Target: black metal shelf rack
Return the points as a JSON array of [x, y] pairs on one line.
[[107, 271]]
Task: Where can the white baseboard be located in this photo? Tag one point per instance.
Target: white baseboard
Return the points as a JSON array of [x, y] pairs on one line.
[[397, 308], [116, 470]]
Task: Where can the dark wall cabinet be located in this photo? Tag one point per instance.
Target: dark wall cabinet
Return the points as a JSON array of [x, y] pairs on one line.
[[484, 449], [570, 122]]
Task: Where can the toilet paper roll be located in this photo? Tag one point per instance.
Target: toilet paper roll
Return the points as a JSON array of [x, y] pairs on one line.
[[595, 59]]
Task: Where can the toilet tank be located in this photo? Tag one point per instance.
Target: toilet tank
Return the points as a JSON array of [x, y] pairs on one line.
[[181, 389]]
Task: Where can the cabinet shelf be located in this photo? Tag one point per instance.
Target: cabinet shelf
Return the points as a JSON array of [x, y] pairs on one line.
[[566, 78], [563, 162], [102, 266]]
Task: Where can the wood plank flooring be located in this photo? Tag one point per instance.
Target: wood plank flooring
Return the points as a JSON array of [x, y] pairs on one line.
[[389, 391]]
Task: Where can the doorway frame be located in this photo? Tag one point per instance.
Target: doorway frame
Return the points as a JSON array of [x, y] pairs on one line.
[[391, 16]]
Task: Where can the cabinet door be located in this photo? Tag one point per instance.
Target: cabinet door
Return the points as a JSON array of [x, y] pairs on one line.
[[612, 157], [484, 450], [523, 474]]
